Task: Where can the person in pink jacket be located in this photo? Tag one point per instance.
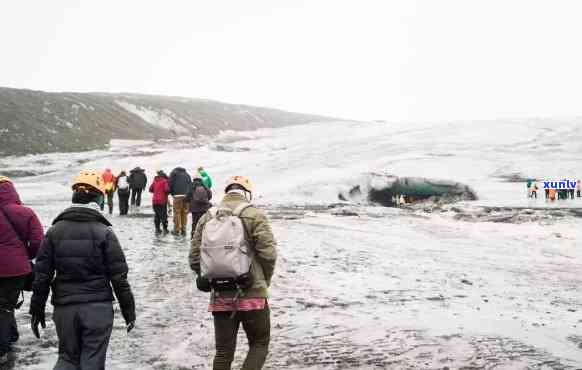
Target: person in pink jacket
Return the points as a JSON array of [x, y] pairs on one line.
[[20, 237]]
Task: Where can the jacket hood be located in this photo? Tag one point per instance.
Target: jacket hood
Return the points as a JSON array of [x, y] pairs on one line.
[[179, 169], [160, 178], [137, 169], [80, 213], [8, 194], [197, 181]]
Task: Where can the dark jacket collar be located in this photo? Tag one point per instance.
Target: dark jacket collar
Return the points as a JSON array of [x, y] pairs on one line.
[[81, 213]]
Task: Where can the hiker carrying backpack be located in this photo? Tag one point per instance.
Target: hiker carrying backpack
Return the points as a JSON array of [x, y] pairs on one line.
[[199, 198], [234, 254]]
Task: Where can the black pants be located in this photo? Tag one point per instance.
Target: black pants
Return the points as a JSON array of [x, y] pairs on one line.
[[136, 197], [110, 200], [195, 218], [161, 216], [84, 331], [547, 191], [257, 326], [10, 288], [534, 194], [571, 193], [578, 193], [123, 201]]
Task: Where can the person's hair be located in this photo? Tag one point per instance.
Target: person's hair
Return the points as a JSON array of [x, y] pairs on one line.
[[85, 197]]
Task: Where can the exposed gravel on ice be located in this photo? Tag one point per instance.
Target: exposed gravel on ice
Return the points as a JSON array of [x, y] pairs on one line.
[[360, 286]]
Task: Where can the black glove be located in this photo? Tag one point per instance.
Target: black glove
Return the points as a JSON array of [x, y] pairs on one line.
[[203, 284], [245, 281], [130, 326], [36, 319]]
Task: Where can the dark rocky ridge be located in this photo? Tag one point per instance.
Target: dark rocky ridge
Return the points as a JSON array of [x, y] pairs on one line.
[[40, 122]]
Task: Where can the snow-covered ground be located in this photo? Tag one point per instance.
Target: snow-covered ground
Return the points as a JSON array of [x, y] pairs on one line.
[[380, 287]]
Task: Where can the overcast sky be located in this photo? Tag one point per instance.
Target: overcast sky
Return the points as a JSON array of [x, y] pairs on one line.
[[394, 60]]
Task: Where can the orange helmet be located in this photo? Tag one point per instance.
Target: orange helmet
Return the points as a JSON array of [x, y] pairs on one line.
[[4, 179], [88, 180], [242, 181]]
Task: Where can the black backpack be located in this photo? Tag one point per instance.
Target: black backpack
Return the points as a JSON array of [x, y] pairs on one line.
[[199, 194]]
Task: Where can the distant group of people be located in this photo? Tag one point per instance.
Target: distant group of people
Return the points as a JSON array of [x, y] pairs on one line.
[[80, 259], [190, 194], [552, 194], [125, 186]]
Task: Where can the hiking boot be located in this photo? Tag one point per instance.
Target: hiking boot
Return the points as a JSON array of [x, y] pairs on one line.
[[183, 232], [158, 231], [166, 231]]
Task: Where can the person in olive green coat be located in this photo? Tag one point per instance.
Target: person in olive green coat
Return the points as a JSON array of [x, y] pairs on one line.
[[251, 309]]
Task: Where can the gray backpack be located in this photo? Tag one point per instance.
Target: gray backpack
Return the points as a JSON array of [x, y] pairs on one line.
[[225, 253]]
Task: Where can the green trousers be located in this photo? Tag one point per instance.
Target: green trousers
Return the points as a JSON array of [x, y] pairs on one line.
[[257, 326]]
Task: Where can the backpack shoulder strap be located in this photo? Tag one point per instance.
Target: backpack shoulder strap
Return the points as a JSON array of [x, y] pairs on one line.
[[213, 211], [12, 225], [240, 209], [238, 212]]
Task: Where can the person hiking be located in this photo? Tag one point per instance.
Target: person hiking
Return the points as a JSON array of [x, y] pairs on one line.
[[578, 189], [160, 189], [199, 199], [123, 191], [529, 187], [552, 194], [241, 299], [20, 238], [180, 184], [109, 186], [534, 190], [206, 180], [80, 259], [137, 182]]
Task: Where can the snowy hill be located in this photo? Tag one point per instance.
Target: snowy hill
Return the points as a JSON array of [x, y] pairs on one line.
[[41, 122]]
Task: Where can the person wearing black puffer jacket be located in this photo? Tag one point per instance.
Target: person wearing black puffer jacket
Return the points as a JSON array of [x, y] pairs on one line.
[[80, 259], [137, 182]]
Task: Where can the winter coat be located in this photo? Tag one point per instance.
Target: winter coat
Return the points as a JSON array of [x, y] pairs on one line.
[[262, 242], [196, 206], [108, 180], [206, 180], [180, 181], [121, 180], [85, 254], [160, 188], [20, 233], [137, 179]]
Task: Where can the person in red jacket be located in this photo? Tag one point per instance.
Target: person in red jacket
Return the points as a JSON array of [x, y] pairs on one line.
[[20, 237], [160, 188]]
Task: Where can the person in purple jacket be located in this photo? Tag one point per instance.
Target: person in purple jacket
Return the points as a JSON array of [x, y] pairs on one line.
[[20, 238]]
